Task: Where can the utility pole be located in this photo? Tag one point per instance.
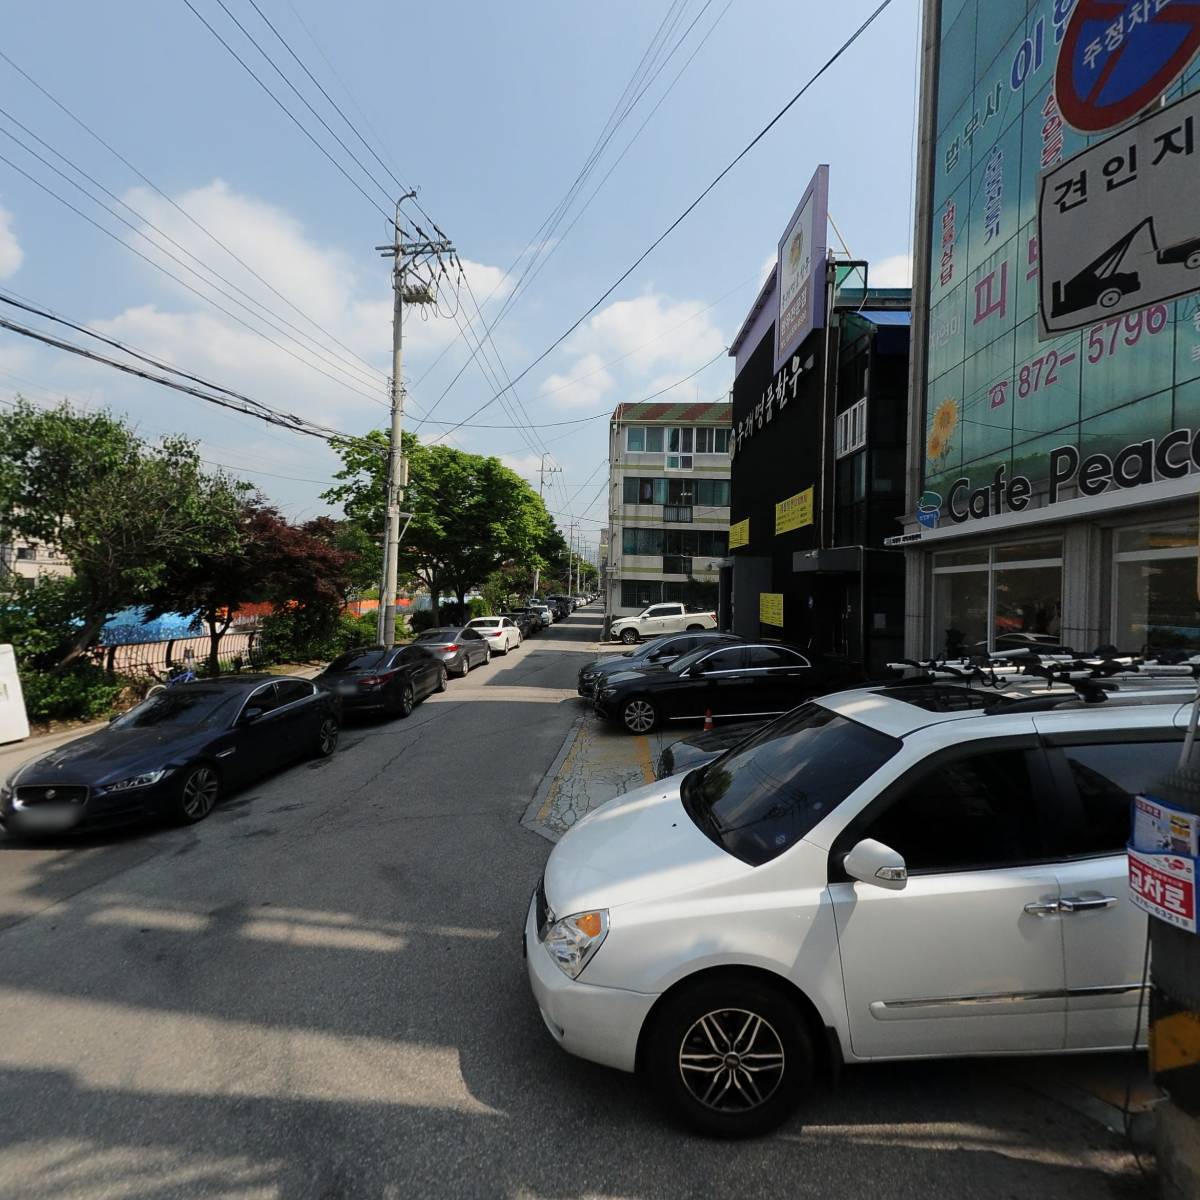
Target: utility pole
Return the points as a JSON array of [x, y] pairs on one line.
[[404, 256], [543, 471]]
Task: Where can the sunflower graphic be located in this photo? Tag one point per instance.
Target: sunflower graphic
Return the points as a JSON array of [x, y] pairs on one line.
[[945, 421]]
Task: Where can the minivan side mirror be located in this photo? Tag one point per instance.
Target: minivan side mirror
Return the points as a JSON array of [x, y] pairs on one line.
[[873, 862]]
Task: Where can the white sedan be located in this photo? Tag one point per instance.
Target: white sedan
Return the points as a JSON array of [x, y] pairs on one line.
[[502, 634]]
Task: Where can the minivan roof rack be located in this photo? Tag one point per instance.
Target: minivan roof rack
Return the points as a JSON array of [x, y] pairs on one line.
[[1029, 680]]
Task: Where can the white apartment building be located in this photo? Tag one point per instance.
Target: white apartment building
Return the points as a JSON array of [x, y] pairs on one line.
[[668, 504], [30, 560]]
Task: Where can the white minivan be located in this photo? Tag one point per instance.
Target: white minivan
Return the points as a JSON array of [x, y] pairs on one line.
[[907, 871]]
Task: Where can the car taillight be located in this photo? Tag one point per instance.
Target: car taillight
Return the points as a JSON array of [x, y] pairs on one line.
[[450, 649], [495, 632], [375, 680]]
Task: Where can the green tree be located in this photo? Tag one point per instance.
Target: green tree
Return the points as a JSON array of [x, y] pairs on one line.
[[269, 561], [123, 514], [470, 512]]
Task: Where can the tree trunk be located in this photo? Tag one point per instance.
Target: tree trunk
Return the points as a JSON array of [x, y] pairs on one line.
[[214, 640], [462, 603], [83, 640]]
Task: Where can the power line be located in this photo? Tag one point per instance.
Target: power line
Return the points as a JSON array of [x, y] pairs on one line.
[[179, 208], [231, 400], [551, 222], [357, 378], [662, 237], [182, 283], [288, 112]]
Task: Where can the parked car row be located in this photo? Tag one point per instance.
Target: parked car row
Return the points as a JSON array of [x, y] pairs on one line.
[[177, 752]]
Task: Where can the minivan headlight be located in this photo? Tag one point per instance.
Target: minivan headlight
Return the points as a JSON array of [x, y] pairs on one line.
[[573, 940]]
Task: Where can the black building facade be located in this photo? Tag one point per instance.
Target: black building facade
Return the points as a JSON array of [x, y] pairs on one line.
[[818, 480]]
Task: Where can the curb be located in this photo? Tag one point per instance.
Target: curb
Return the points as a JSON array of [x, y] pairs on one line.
[[530, 819]]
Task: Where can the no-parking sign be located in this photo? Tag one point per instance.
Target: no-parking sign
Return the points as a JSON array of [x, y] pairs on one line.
[[1118, 56]]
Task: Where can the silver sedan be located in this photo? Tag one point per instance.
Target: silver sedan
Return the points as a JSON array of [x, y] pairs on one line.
[[459, 647]]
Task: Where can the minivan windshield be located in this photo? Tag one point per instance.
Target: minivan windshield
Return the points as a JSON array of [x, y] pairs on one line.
[[765, 794]]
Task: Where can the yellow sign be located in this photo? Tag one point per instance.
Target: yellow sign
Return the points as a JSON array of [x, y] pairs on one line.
[[739, 534], [770, 608], [794, 512]]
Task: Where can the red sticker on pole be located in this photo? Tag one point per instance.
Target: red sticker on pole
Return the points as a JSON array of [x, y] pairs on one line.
[[1118, 56]]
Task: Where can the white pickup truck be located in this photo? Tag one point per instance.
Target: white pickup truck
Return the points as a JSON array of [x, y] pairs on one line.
[[659, 619]]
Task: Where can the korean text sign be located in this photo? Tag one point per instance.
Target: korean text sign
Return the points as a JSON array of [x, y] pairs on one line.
[[795, 512], [739, 534], [770, 608], [801, 266], [1164, 885], [1118, 223]]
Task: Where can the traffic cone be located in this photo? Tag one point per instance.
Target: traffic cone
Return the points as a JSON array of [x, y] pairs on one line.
[[708, 721]]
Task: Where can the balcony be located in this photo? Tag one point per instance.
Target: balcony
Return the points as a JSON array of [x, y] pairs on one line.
[[677, 564], [677, 512]]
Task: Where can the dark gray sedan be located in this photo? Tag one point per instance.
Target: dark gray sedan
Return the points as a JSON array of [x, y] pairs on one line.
[[173, 755], [460, 648]]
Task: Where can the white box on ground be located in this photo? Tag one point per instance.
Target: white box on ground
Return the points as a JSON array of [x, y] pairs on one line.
[[14, 724]]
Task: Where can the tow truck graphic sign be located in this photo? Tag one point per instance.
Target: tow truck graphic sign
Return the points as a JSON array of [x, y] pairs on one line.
[[1119, 223]]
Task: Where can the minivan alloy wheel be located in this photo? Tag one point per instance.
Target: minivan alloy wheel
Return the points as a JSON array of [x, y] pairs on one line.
[[731, 1060]]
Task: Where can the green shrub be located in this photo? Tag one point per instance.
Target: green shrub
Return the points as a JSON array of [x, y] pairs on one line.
[[477, 607], [296, 635], [81, 690]]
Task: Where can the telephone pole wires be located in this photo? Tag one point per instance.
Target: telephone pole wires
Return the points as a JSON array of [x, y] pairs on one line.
[[405, 256], [543, 471]]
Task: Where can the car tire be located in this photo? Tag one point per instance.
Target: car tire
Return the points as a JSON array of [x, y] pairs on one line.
[[466, 667], [441, 683], [401, 703], [327, 738], [701, 1027], [629, 637], [503, 652], [639, 715], [487, 655], [198, 791]]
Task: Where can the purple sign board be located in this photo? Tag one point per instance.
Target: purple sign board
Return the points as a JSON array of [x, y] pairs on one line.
[[801, 269]]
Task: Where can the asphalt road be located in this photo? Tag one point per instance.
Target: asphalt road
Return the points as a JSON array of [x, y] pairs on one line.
[[319, 992]]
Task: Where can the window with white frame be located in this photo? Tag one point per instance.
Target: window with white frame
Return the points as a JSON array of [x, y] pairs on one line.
[[680, 444], [644, 439], [1154, 588], [851, 431]]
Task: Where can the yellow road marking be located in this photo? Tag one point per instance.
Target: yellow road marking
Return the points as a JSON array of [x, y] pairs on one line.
[[644, 759]]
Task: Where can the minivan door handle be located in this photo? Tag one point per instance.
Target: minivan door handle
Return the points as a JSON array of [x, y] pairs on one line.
[[1073, 904], [1042, 908]]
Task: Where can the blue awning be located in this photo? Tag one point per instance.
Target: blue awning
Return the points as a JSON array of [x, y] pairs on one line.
[[886, 316]]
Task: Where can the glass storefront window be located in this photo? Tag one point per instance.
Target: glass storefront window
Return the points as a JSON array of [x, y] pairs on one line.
[[997, 598], [1155, 589], [960, 611], [961, 558], [1027, 600]]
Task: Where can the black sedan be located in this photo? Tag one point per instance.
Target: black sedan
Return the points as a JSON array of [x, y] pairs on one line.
[[656, 653], [172, 755], [521, 619], [537, 619], [738, 681], [460, 648], [376, 678]]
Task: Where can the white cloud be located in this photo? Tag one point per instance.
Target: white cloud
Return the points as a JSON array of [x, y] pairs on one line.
[[630, 343], [769, 264], [525, 465], [11, 254], [895, 271], [486, 280]]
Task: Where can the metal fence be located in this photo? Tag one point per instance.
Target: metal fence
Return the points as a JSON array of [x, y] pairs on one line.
[[155, 660]]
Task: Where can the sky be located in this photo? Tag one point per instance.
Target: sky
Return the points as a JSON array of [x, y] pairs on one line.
[[234, 248]]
